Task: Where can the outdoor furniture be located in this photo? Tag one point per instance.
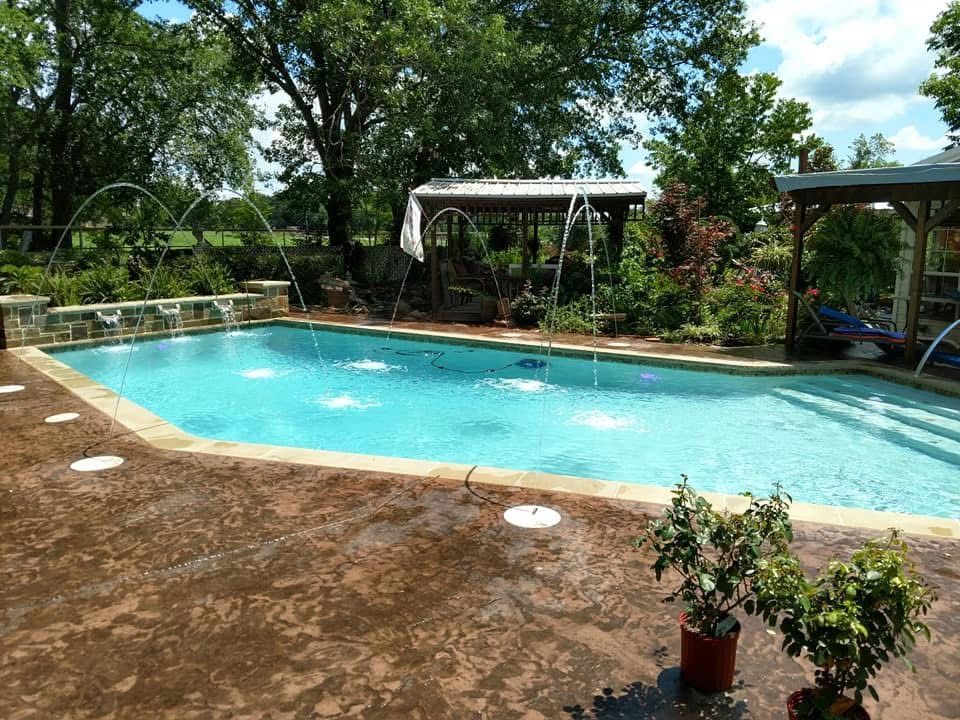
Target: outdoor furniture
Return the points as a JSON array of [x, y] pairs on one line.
[[831, 324]]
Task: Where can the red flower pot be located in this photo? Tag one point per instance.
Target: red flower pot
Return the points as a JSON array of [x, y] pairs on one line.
[[707, 663], [796, 699]]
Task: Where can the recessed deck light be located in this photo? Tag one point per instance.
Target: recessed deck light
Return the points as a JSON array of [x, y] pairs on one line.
[[531, 516], [96, 463], [61, 418], [10, 388]]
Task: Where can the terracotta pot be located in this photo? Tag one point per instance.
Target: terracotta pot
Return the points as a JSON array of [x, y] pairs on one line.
[[707, 663], [852, 712], [337, 298]]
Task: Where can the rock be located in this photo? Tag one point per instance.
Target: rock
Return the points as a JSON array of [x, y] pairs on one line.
[[403, 308], [417, 315]]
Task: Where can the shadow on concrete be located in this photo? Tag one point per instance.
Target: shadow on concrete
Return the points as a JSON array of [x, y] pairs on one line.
[[671, 699]]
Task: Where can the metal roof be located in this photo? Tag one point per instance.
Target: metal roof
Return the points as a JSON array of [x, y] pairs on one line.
[[908, 175], [526, 190], [950, 155]]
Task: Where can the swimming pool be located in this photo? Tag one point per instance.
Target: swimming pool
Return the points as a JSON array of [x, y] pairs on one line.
[[846, 440]]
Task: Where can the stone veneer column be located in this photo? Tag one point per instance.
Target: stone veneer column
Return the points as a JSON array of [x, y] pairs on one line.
[[275, 295], [15, 320]]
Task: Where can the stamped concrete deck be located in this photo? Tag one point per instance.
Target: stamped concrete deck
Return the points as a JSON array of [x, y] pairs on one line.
[[198, 586]]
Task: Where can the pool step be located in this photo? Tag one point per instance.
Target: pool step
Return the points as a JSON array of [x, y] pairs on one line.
[[885, 427], [913, 415], [928, 409]]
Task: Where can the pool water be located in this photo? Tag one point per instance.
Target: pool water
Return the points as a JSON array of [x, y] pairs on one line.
[[844, 440]]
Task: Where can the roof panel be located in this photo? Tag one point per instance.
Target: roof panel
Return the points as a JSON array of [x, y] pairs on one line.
[[911, 174], [544, 189]]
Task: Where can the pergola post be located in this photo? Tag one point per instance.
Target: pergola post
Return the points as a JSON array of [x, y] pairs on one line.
[[524, 246], [799, 215], [435, 287], [916, 279]]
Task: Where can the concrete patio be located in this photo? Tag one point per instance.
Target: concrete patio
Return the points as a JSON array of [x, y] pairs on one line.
[[183, 585]]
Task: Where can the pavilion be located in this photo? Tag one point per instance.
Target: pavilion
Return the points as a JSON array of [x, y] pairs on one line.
[[526, 205], [925, 196]]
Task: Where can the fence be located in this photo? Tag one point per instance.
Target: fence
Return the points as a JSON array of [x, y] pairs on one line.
[[89, 237]]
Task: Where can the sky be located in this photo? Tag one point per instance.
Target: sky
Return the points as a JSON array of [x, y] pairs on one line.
[[858, 63]]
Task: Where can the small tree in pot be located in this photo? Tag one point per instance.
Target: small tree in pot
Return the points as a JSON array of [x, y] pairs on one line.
[[849, 621], [716, 555]]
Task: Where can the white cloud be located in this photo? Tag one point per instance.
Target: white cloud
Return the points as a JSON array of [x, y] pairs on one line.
[[910, 138], [644, 174], [268, 103], [857, 62]]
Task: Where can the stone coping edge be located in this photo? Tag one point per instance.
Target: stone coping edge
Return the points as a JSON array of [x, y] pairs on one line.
[[164, 435]]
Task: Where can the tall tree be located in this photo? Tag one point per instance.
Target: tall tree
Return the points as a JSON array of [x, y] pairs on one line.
[[944, 84], [114, 96], [729, 142], [871, 152], [384, 93]]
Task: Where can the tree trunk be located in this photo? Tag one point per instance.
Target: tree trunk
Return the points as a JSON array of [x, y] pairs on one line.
[[61, 164], [397, 213], [339, 205], [38, 240], [14, 149]]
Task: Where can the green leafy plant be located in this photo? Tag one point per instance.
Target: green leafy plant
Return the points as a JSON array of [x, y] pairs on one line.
[[461, 294], [853, 252], [749, 306], [63, 289], [167, 282], [530, 306], [574, 317], [850, 620], [24, 279], [716, 553], [104, 283], [208, 277]]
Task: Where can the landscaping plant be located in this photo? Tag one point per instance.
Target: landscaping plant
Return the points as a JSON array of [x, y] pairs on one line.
[[849, 621], [852, 252], [716, 553]]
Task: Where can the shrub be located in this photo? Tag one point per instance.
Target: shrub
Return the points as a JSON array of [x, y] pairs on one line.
[[63, 289], [204, 276], [848, 621], [575, 317], [168, 282], [772, 250], [104, 283], [748, 306], [690, 242], [661, 303], [716, 553], [25, 279], [529, 307], [853, 252]]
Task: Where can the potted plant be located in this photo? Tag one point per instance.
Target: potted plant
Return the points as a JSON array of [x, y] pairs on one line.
[[461, 295], [716, 554], [848, 622]]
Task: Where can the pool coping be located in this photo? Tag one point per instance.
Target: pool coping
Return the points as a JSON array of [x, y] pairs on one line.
[[165, 435]]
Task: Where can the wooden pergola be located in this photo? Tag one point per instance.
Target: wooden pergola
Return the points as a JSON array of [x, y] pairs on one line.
[[933, 189], [528, 204]]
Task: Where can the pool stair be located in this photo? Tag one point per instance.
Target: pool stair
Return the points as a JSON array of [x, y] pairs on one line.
[[931, 430]]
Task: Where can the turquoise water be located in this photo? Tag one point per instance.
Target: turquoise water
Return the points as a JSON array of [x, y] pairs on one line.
[[842, 440]]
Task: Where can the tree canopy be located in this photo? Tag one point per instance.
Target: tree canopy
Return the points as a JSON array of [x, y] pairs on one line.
[[95, 93], [728, 143], [384, 94], [944, 84]]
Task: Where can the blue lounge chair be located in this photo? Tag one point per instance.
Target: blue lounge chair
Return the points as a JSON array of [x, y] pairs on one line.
[[836, 325], [946, 359]]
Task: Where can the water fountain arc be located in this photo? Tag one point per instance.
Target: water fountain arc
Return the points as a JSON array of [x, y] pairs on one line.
[[423, 233], [102, 462], [933, 346]]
